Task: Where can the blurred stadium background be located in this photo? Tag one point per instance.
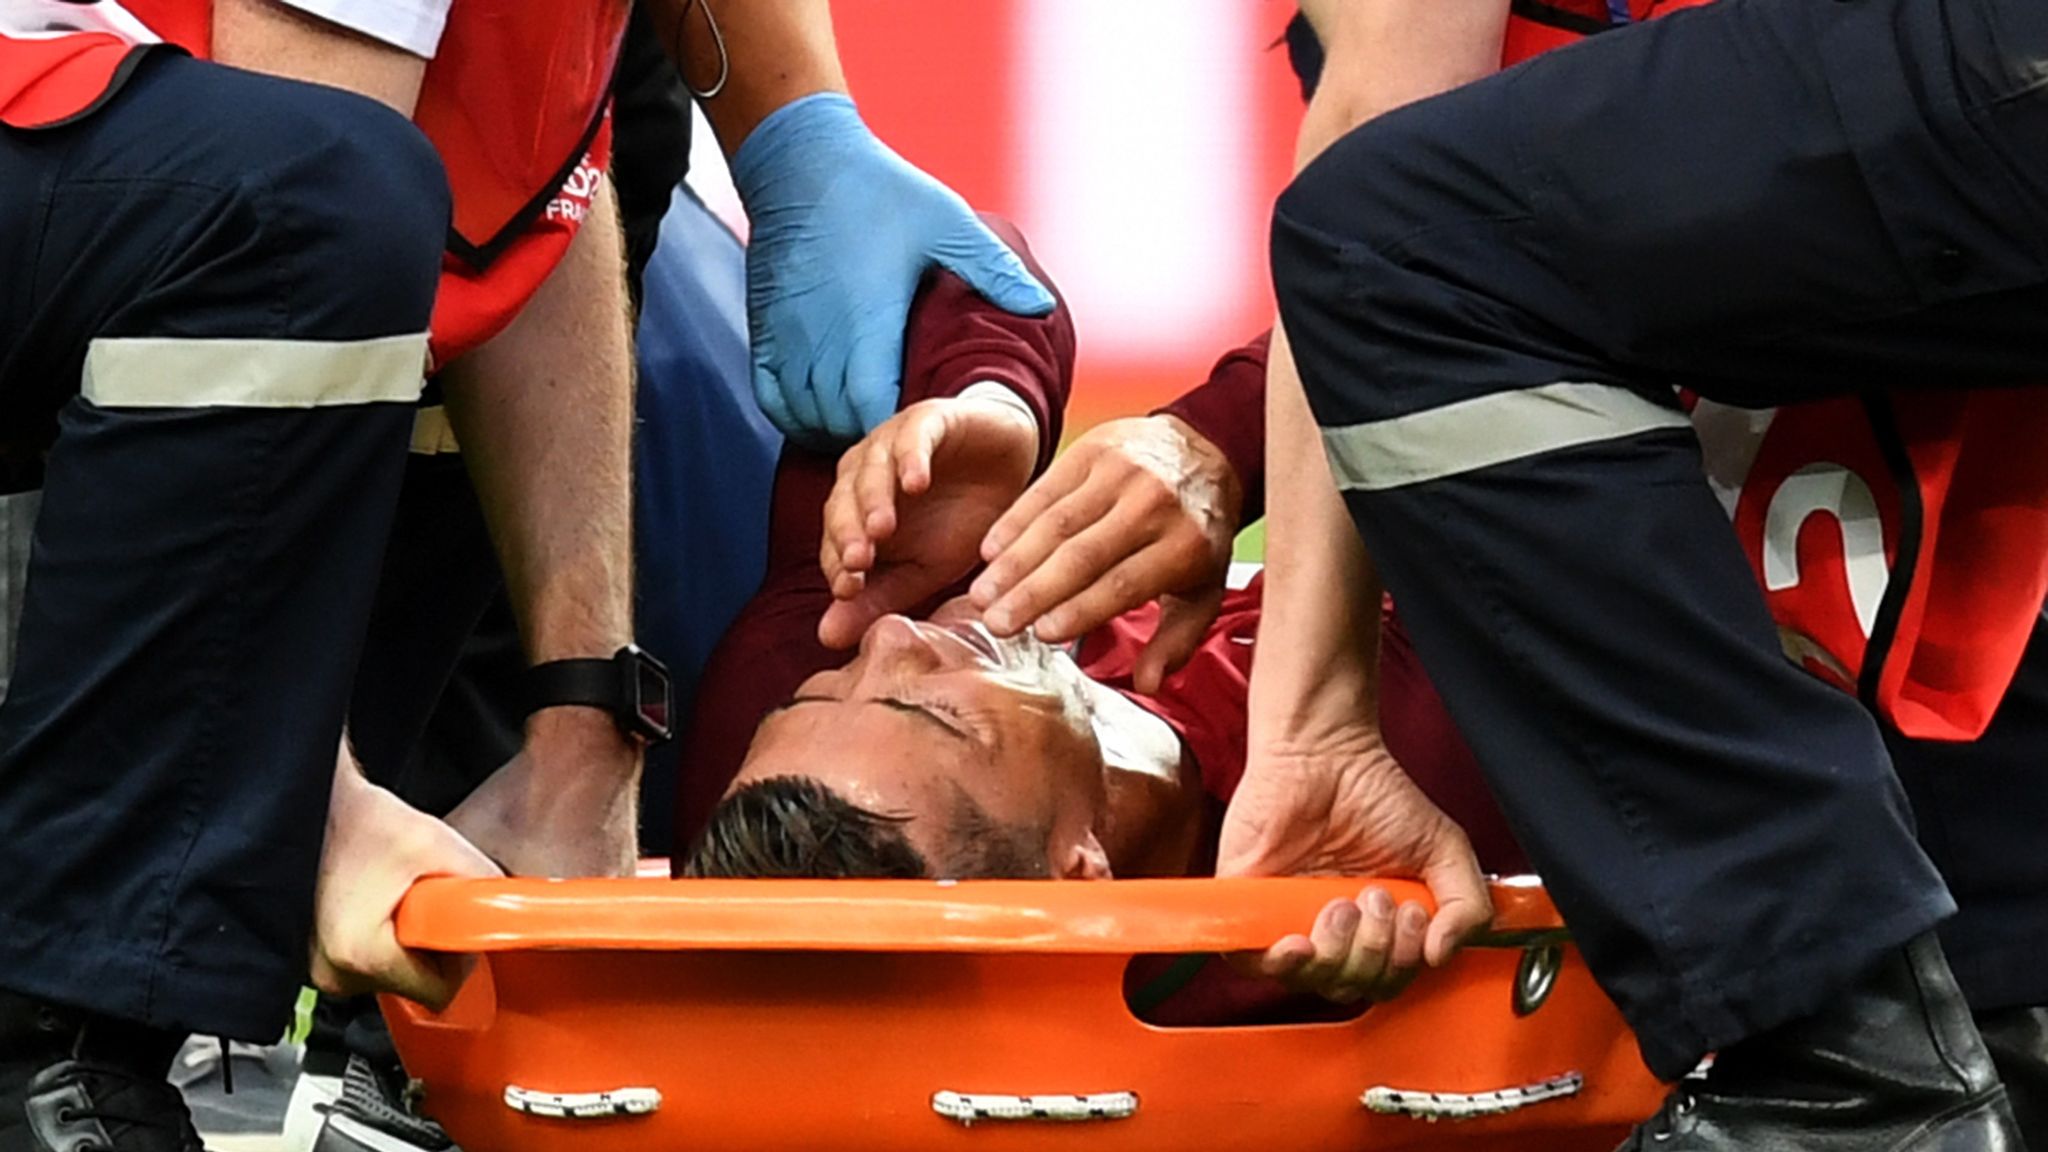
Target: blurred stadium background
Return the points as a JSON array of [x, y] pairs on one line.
[[1138, 143]]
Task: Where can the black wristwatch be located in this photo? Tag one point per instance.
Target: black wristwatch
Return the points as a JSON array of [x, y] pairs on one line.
[[633, 686]]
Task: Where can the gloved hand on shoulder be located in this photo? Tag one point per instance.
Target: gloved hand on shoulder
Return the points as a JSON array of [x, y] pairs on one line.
[[843, 231]]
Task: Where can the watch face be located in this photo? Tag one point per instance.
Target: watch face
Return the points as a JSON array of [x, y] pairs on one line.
[[652, 695]]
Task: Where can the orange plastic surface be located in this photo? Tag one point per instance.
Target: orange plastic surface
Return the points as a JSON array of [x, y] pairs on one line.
[[812, 1015], [893, 915]]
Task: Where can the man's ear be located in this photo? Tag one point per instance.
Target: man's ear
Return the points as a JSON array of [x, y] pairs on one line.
[[1084, 860]]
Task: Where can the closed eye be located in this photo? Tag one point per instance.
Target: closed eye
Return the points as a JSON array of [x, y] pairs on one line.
[[938, 713]]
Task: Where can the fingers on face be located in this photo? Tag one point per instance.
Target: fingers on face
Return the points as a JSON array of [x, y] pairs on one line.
[[842, 624], [1059, 523], [844, 549], [874, 488], [1098, 595], [1078, 543], [1094, 553], [916, 444], [1068, 474]]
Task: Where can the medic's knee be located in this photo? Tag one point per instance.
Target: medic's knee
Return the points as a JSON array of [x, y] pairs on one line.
[[359, 203]]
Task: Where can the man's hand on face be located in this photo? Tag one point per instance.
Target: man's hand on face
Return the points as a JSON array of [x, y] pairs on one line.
[[911, 503], [377, 847], [1338, 804], [566, 805], [1135, 510]]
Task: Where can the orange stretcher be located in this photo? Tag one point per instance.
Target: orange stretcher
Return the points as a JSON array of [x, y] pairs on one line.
[[650, 1014]]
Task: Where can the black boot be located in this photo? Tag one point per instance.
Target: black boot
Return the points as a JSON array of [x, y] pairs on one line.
[[71, 1082], [1893, 1065], [2018, 1040]]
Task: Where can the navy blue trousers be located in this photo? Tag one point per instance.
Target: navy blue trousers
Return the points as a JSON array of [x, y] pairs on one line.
[[1982, 810], [211, 293], [1491, 296]]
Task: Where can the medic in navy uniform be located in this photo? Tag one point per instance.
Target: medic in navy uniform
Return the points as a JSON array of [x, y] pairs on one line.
[[218, 307], [1493, 296]]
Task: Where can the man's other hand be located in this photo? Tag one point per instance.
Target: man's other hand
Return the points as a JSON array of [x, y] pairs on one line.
[[1339, 804], [911, 503], [1135, 510], [377, 848]]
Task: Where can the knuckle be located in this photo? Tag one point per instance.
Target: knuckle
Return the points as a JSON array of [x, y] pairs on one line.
[[1066, 520], [1187, 549], [1122, 585], [1091, 555]]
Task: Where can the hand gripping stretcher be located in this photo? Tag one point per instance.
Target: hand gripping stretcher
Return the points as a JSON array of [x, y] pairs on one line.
[[650, 1014]]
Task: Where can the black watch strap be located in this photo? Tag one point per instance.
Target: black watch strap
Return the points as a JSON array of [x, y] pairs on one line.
[[632, 686], [593, 682]]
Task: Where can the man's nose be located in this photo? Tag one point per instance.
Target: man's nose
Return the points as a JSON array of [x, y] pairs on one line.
[[895, 645]]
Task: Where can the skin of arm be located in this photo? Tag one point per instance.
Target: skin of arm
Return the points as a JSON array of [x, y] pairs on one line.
[[1319, 633], [550, 468], [1321, 589], [775, 53], [1320, 791], [264, 36], [544, 414]]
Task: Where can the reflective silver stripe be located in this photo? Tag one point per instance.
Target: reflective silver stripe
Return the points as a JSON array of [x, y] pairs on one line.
[[155, 372], [1480, 433], [17, 528], [432, 435]]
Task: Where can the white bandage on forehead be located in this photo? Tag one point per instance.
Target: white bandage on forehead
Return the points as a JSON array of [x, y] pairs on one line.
[[160, 372], [1488, 430]]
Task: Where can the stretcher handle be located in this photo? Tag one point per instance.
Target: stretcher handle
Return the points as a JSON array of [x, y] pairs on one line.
[[1118, 917]]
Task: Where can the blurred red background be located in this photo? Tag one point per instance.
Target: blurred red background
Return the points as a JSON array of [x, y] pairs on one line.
[[1138, 143]]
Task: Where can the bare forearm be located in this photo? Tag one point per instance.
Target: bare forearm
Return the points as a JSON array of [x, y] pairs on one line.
[[544, 416], [1319, 633], [1318, 650], [775, 51]]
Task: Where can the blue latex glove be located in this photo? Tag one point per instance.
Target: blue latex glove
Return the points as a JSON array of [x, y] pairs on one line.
[[843, 230]]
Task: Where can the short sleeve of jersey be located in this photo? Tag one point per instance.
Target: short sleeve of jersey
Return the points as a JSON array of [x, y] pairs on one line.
[[413, 25]]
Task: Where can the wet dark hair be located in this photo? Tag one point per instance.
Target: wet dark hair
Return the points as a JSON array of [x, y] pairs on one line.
[[795, 827]]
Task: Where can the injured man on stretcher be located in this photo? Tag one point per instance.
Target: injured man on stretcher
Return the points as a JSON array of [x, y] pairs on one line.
[[861, 720]]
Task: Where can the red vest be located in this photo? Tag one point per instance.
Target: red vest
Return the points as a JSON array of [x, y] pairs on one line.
[[515, 102]]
